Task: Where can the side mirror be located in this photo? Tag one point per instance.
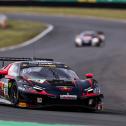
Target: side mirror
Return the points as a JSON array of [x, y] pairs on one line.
[[2, 72], [89, 75]]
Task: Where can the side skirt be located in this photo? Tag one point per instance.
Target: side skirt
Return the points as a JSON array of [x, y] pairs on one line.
[[4, 101]]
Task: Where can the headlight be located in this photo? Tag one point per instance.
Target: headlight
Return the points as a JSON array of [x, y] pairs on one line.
[[38, 80], [95, 41], [35, 87], [97, 90], [23, 85], [88, 90], [38, 88], [27, 86], [78, 40], [22, 81]]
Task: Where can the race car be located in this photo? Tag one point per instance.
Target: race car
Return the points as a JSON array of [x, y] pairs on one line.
[[36, 83], [90, 38]]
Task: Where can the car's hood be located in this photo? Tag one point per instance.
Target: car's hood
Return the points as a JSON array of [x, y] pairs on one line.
[[57, 87]]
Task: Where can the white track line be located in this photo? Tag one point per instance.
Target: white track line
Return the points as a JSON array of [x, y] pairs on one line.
[[39, 36]]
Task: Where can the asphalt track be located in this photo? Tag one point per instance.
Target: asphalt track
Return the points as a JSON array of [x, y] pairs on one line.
[[107, 63]]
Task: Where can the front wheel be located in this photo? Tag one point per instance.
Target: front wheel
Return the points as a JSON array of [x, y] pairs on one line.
[[78, 45], [13, 93], [99, 107]]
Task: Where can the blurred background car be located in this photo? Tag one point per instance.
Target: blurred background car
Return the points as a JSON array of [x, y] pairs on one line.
[[90, 38]]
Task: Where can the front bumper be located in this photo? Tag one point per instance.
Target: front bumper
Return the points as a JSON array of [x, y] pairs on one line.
[[37, 100]]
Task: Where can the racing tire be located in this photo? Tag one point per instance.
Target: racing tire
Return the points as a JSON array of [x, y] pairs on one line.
[[98, 106], [98, 45], [13, 93], [77, 45]]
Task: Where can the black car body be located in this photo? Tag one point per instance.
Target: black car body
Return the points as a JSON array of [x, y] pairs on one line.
[[41, 83]]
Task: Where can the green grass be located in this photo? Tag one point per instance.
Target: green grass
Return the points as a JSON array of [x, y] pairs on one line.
[[19, 31], [105, 13]]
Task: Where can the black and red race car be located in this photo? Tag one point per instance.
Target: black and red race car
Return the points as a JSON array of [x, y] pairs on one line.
[[35, 82]]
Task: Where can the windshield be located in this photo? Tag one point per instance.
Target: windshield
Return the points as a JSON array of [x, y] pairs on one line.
[[90, 33], [48, 73]]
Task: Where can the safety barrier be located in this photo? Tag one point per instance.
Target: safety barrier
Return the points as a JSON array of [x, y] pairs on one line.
[[77, 3], [74, 1], [85, 1], [111, 1]]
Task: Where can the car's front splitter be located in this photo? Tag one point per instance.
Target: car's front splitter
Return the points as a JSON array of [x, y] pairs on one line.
[[37, 100]]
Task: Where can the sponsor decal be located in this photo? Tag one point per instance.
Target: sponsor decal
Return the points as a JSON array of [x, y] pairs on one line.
[[39, 100], [68, 97], [65, 88]]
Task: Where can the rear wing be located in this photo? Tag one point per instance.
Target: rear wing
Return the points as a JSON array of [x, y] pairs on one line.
[[3, 59]]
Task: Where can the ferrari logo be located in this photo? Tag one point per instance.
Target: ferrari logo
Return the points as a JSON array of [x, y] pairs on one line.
[[65, 88]]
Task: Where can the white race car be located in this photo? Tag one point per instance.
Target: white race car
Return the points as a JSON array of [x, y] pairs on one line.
[[89, 38]]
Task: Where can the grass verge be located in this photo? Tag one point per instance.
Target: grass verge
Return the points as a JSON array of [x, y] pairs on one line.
[[105, 13], [19, 31]]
